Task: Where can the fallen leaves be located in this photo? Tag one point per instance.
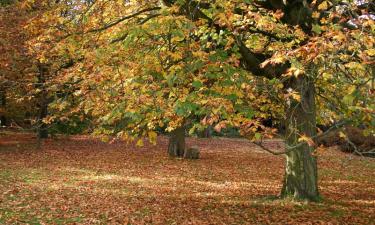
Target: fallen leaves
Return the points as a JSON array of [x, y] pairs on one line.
[[81, 180]]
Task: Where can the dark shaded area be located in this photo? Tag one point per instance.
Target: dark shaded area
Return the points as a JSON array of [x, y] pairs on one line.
[[3, 119], [355, 141], [6, 2]]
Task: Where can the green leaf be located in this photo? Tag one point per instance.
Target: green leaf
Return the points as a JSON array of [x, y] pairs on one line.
[[316, 29], [197, 84], [348, 99]]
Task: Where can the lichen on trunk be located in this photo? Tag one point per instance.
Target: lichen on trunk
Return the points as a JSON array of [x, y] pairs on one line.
[[300, 181]]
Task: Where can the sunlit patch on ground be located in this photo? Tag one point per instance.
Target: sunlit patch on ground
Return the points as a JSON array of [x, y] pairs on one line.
[[81, 180]]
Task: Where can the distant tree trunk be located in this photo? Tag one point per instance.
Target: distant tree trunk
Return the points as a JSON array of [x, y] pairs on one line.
[[206, 133], [3, 119], [177, 145], [43, 113], [300, 181], [43, 103]]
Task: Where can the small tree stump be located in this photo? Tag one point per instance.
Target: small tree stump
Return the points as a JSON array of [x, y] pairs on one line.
[[192, 153]]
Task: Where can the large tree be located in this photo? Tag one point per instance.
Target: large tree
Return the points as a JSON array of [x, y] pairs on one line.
[[15, 64], [144, 65]]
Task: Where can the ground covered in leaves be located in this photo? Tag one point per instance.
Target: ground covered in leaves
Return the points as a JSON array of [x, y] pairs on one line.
[[80, 180]]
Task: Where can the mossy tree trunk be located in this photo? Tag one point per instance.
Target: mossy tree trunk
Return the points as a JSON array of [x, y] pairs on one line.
[[177, 145], [300, 181]]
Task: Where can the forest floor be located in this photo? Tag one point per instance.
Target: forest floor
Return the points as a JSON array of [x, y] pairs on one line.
[[80, 180]]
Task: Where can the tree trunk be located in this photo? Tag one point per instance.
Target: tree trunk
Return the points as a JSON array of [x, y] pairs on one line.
[[43, 113], [43, 103], [3, 119], [300, 181], [206, 133], [176, 146]]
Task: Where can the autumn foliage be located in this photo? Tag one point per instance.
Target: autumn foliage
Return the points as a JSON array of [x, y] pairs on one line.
[[134, 71]]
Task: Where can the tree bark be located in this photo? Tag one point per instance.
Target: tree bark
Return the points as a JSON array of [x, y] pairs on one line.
[[43, 113], [3, 119], [176, 146], [300, 181], [42, 129]]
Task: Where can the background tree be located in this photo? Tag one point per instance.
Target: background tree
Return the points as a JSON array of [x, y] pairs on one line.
[[15, 65]]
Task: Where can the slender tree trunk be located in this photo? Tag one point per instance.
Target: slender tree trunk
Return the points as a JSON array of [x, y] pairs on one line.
[[300, 181], [3, 119], [43, 103], [43, 113], [206, 133], [176, 146]]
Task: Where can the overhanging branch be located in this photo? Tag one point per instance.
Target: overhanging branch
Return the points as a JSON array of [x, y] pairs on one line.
[[295, 147], [109, 25]]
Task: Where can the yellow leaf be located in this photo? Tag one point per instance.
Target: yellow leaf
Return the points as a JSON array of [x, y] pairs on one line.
[[105, 138], [296, 96], [139, 143], [152, 136], [176, 55], [298, 72], [355, 66], [316, 15], [342, 135], [306, 139], [370, 52], [323, 6]]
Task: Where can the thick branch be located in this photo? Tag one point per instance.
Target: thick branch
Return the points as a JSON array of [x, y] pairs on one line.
[[109, 25], [252, 61], [295, 147]]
